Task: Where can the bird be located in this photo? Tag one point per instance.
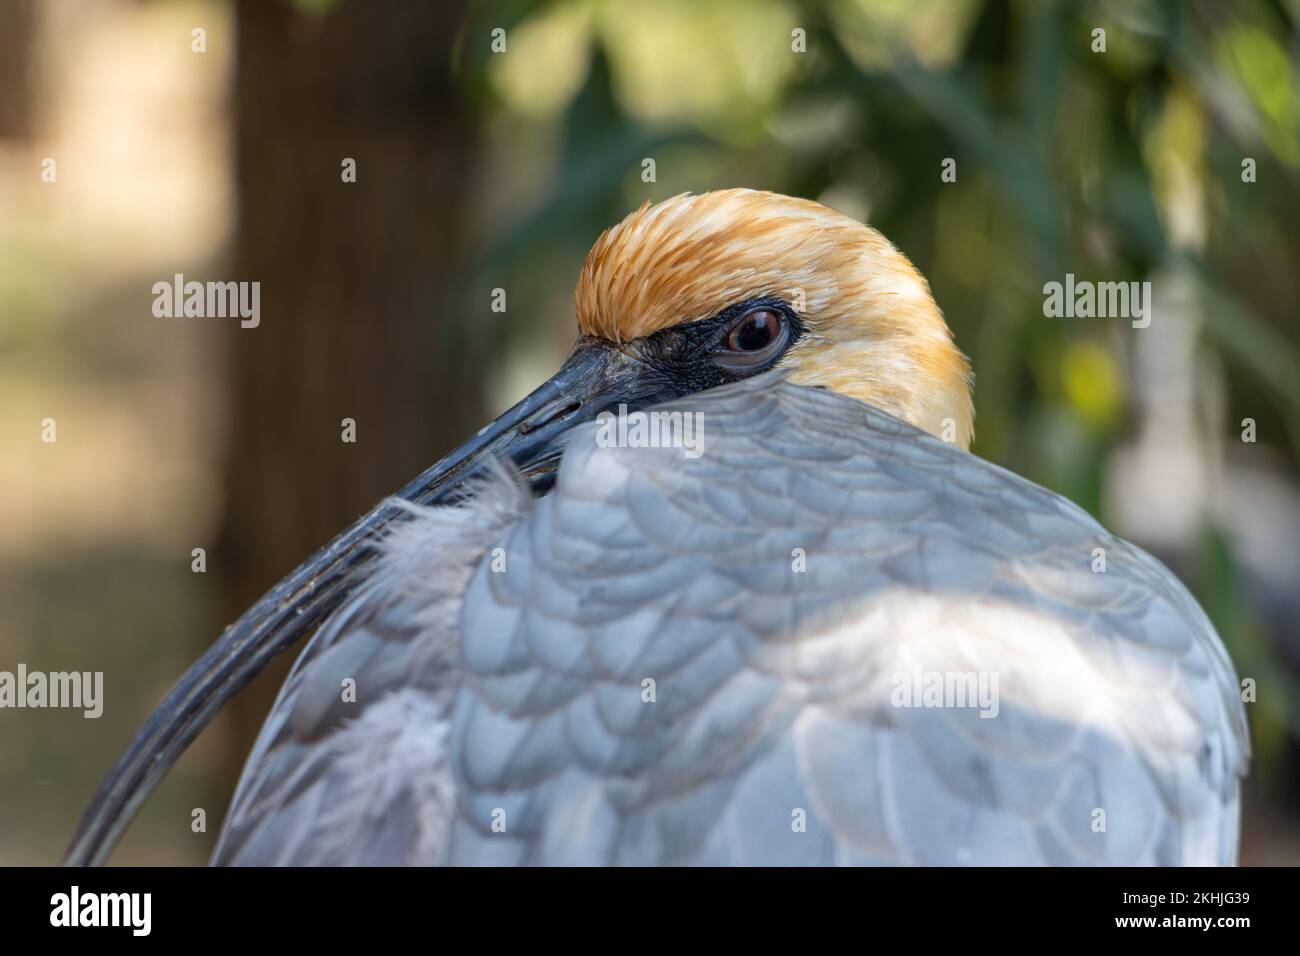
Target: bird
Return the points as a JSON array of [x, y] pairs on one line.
[[803, 625]]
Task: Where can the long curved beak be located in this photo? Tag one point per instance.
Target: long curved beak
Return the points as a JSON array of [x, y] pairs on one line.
[[597, 376]]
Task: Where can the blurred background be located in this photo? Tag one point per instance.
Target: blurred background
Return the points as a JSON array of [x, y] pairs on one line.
[[479, 170]]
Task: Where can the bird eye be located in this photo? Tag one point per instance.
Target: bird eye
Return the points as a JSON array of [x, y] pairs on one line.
[[756, 338]]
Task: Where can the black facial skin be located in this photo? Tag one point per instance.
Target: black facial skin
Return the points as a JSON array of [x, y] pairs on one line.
[[683, 354], [672, 363]]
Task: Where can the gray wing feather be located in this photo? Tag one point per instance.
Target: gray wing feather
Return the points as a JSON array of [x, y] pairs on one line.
[[771, 737], [649, 679], [352, 765]]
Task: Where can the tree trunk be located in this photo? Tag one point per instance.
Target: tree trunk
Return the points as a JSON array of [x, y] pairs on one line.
[[17, 27], [355, 284]]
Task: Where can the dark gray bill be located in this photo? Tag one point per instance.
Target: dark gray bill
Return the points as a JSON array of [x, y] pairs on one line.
[[596, 377]]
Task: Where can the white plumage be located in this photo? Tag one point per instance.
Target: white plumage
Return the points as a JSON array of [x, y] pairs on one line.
[[501, 715]]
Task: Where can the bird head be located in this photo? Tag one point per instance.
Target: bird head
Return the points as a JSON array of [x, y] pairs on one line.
[[731, 283], [699, 291]]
